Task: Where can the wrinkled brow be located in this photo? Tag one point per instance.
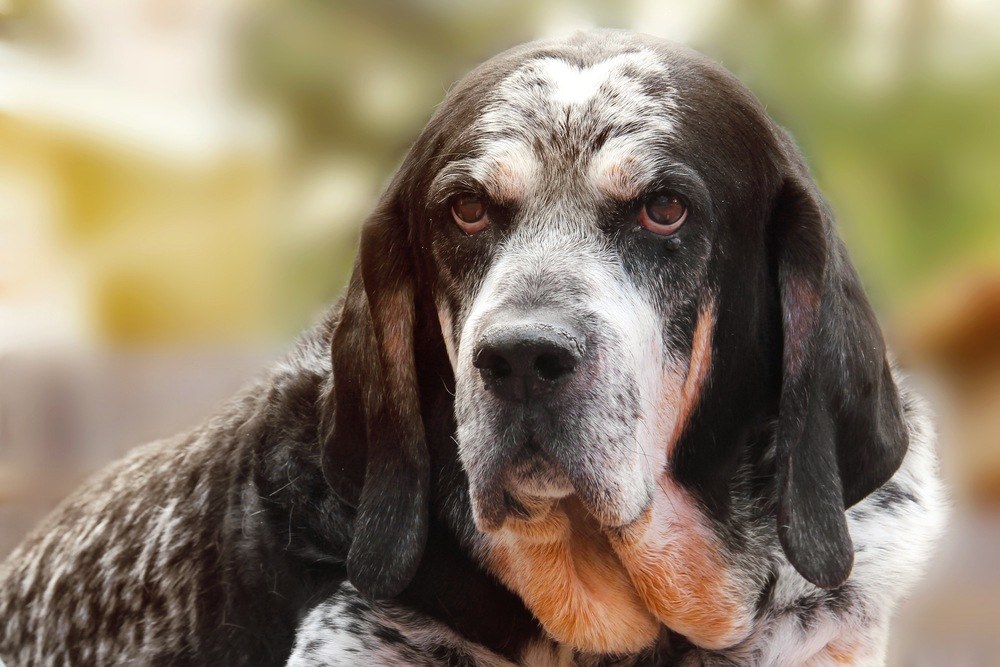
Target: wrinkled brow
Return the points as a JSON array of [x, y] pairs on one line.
[[620, 171], [503, 170], [628, 165]]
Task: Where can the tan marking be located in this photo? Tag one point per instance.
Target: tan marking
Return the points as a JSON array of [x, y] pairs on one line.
[[509, 174], [547, 653], [507, 184], [839, 655], [447, 324], [560, 564], [676, 565], [620, 179], [698, 368], [396, 321]]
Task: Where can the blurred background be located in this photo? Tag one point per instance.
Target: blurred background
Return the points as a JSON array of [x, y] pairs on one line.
[[182, 181]]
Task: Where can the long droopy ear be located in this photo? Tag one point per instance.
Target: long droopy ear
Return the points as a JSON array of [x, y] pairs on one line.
[[840, 432], [375, 451]]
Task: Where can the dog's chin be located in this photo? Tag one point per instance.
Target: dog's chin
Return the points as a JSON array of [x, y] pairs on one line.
[[525, 482], [492, 508], [521, 493], [533, 477]]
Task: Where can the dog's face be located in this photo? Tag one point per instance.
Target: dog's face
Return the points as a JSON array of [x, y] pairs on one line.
[[625, 267], [572, 231]]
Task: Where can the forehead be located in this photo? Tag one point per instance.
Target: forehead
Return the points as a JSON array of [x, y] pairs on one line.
[[598, 119], [579, 100]]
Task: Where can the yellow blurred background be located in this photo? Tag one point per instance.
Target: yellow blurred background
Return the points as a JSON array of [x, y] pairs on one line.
[[181, 184]]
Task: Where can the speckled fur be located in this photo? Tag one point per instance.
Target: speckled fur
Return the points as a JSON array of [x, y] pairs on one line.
[[181, 552]]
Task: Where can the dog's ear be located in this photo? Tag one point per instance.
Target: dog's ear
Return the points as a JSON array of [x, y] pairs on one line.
[[375, 453], [841, 432]]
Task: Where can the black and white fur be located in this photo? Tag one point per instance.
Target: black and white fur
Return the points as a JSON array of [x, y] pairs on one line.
[[357, 504]]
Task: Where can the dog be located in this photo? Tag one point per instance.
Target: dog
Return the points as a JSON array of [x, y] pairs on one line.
[[604, 388]]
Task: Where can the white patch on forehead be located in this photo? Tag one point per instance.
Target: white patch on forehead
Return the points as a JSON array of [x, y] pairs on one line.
[[551, 101], [572, 84], [549, 84]]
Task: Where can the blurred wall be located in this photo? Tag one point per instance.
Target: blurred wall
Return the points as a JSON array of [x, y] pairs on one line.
[[182, 183]]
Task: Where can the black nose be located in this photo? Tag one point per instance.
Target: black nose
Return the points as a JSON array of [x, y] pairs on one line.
[[524, 359]]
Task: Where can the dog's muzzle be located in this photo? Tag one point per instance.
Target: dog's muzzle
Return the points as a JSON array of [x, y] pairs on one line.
[[545, 412]]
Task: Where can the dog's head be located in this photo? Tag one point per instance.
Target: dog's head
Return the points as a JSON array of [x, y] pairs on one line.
[[626, 269]]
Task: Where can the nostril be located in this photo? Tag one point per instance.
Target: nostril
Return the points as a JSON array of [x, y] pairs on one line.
[[493, 365], [552, 367]]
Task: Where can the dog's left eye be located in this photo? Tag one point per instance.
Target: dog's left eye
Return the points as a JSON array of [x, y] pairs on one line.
[[469, 212], [663, 212]]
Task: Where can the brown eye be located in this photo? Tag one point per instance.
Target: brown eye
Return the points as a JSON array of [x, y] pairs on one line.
[[469, 212], [663, 213]]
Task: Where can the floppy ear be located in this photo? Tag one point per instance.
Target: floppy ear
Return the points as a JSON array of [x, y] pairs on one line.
[[375, 453], [840, 432]]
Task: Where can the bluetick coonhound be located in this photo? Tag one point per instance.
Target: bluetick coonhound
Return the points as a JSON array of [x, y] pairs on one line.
[[604, 388]]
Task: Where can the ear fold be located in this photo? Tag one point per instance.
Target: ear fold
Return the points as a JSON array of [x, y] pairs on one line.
[[377, 425], [841, 432]]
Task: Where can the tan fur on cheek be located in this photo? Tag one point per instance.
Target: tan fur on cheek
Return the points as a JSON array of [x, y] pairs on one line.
[[672, 558], [698, 369], [447, 324], [675, 564], [564, 570], [398, 338]]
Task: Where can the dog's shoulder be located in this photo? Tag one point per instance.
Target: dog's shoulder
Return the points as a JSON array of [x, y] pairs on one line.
[[183, 545], [85, 565]]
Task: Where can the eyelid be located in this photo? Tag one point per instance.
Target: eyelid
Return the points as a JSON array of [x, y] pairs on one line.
[[685, 183], [453, 180], [674, 192]]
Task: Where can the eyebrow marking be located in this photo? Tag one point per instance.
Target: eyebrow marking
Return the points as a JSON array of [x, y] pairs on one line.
[[618, 171], [507, 172]]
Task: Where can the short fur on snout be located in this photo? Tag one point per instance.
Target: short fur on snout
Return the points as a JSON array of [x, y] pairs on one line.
[[725, 468]]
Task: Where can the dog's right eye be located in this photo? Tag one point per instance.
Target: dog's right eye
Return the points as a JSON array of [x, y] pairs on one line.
[[469, 212]]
